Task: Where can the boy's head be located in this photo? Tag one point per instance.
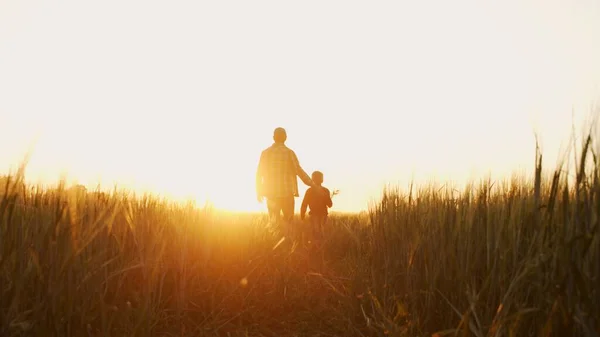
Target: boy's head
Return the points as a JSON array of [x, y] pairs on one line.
[[317, 177]]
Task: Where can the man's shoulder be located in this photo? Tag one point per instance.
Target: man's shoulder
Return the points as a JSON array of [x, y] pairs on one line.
[[284, 148], [268, 150], [278, 147]]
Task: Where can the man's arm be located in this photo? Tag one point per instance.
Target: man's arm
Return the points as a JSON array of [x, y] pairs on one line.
[[259, 176], [300, 172], [304, 204]]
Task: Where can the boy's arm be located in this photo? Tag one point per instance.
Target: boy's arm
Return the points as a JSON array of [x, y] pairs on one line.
[[329, 201], [304, 204]]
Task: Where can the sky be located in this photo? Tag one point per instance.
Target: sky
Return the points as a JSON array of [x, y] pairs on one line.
[[180, 97]]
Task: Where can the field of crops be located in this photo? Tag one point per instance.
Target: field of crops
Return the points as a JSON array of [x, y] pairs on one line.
[[519, 257]]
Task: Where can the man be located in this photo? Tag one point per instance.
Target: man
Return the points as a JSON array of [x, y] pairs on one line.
[[276, 178]]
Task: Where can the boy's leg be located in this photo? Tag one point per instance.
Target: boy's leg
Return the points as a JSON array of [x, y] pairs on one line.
[[322, 226], [319, 227], [314, 227], [311, 228]]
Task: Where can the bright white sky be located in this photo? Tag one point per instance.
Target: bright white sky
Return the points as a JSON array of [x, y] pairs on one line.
[[180, 97]]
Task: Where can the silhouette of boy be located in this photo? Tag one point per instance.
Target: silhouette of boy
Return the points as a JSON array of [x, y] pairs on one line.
[[318, 199]]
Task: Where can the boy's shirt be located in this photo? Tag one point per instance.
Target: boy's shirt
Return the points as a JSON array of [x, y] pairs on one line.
[[317, 201]]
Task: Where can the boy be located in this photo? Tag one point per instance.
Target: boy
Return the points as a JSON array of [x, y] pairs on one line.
[[318, 203]]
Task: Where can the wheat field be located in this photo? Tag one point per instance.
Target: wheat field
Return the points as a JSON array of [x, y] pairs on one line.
[[519, 257]]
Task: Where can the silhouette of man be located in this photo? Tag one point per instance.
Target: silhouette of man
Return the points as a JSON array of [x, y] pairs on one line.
[[276, 179]]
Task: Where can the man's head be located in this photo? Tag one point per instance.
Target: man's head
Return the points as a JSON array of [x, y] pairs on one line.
[[317, 177], [279, 135]]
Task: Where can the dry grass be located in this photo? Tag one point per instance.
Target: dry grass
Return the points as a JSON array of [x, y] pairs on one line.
[[519, 258]]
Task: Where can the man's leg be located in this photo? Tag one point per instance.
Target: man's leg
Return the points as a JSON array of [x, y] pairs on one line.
[[274, 209], [287, 206]]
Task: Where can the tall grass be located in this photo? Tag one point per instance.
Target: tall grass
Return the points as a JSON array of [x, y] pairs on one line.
[[514, 258]]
